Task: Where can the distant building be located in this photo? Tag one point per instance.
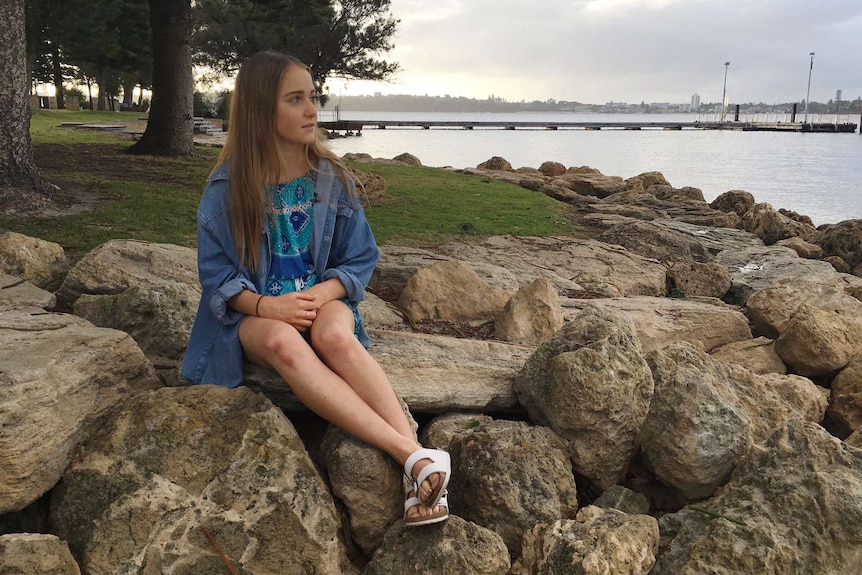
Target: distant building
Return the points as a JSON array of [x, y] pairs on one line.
[[695, 101]]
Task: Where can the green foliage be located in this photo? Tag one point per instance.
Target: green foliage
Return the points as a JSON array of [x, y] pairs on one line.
[[334, 37]]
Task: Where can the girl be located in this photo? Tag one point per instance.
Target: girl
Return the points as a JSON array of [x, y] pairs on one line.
[[284, 256]]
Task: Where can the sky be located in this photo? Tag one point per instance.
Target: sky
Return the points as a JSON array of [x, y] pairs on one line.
[[596, 51]]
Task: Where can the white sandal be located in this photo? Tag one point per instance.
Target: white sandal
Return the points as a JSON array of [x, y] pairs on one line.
[[434, 517], [440, 463]]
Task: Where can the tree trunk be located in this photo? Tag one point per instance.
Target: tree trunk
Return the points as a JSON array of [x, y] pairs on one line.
[[58, 77], [169, 128], [18, 173]]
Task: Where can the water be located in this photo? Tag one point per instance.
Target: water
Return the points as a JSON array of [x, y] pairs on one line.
[[819, 175]]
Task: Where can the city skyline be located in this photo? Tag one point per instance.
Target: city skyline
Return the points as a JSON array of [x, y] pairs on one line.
[[631, 50]]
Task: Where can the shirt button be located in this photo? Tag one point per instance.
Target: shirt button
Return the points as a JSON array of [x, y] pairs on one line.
[[326, 238]]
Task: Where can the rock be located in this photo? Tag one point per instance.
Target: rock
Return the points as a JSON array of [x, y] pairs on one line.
[[596, 541], [591, 184], [659, 322], [818, 342], [451, 291], [656, 241], [695, 431], [17, 293], [40, 262], [552, 169], [736, 201], [699, 279], [757, 268], [622, 499], [432, 374], [843, 239], [440, 431], [591, 385], [778, 514], [408, 159], [454, 546], [771, 309], [845, 405], [771, 226], [158, 317], [115, 266], [61, 377], [378, 313], [838, 263], [508, 476], [368, 482], [667, 192], [715, 240], [796, 216], [31, 553], [495, 163], [649, 179], [582, 268], [371, 187], [698, 397], [177, 463], [756, 354], [802, 248], [532, 315]]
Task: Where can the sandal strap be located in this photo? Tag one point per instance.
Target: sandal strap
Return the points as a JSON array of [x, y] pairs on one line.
[[440, 463]]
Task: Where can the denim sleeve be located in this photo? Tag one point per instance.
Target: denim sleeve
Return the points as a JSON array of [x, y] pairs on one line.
[[219, 269], [354, 253]]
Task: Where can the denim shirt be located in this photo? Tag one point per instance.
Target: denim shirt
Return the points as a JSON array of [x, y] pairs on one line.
[[342, 246]]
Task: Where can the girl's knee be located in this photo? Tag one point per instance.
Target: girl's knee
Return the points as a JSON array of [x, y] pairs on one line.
[[332, 340], [286, 346]]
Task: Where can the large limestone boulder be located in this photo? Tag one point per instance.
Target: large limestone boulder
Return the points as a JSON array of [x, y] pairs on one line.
[[770, 225], [532, 315], [180, 463], [380, 314], [16, 292], [757, 354], [495, 163], [38, 261], [794, 505], [592, 386], [596, 541], [843, 239], [367, 482], [35, 554], [802, 248], [451, 291], [508, 476], [715, 240], [591, 184], [819, 342], [771, 309], [582, 268], [552, 169], [657, 241], [649, 179], [705, 414], [845, 403], [756, 268], [699, 279], [737, 201], [659, 322], [432, 374], [60, 376], [452, 547], [151, 291]]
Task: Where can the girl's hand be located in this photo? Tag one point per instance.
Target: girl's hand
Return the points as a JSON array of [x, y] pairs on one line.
[[299, 309]]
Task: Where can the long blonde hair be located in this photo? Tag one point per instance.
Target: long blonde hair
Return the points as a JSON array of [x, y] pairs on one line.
[[255, 151]]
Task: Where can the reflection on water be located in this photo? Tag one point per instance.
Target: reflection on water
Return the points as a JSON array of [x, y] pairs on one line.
[[817, 175]]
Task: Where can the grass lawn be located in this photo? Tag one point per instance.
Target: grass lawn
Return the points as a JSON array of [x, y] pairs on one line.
[[107, 194]]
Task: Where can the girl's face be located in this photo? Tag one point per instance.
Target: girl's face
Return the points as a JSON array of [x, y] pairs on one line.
[[296, 107]]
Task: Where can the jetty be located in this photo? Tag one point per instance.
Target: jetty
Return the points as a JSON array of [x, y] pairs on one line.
[[350, 127]]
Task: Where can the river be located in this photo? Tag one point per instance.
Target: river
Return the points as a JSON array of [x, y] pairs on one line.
[[815, 174]]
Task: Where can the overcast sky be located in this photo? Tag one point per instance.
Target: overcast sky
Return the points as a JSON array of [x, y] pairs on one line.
[[595, 51]]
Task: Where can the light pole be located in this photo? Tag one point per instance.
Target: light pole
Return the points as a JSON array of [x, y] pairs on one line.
[[723, 92], [808, 94]]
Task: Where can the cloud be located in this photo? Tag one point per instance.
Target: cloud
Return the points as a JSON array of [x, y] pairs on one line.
[[632, 50]]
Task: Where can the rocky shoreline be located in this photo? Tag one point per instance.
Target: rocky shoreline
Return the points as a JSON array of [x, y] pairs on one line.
[[676, 391]]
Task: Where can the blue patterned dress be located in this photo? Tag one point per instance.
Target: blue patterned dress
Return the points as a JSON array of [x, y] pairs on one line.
[[291, 268]]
